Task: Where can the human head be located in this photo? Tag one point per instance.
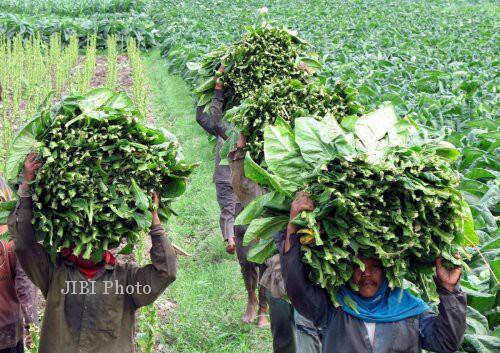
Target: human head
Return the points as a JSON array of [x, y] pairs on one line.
[[369, 280]]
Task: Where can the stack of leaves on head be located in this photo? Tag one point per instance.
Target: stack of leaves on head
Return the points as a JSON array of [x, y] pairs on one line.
[[381, 187], [287, 100], [263, 53], [102, 164], [268, 76]]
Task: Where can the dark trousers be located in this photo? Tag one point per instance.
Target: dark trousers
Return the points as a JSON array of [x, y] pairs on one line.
[[250, 271], [17, 349], [227, 204], [282, 325]]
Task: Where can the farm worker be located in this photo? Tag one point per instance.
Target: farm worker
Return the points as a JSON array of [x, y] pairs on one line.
[[230, 207], [385, 320], [18, 295], [90, 307], [291, 332], [213, 124]]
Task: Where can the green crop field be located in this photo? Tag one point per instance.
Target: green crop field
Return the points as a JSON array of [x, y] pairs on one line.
[[436, 61]]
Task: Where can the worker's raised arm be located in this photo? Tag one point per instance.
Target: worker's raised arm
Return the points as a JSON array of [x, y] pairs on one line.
[[444, 332], [310, 300], [154, 278], [33, 258]]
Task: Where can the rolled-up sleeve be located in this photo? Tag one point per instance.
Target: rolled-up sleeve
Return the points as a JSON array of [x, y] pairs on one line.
[[160, 273]]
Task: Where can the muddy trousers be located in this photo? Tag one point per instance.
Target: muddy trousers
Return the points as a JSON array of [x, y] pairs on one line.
[[250, 271]]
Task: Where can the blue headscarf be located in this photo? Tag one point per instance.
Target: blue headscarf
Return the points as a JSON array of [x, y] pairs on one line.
[[385, 306]]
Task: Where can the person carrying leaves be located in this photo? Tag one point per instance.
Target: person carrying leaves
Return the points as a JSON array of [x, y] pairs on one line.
[[291, 332], [382, 320], [230, 207], [90, 306], [212, 123], [18, 295]]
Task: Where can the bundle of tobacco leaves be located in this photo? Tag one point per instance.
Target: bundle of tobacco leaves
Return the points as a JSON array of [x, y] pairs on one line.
[[102, 164], [264, 52], [381, 189], [288, 100], [405, 209]]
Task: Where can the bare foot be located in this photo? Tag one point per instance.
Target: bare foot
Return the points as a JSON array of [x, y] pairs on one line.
[[251, 312], [262, 321], [231, 246]]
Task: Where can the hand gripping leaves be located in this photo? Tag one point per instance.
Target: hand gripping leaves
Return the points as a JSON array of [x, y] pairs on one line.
[[379, 189], [102, 164]]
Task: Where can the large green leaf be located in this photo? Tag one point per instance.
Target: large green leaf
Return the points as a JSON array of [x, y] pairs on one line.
[[228, 146], [95, 99], [8, 205], [373, 127], [205, 86], [315, 138], [143, 219], [272, 200], [281, 152], [175, 188], [482, 343], [4, 215], [254, 209], [263, 227], [140, 198], [470, 236], [24, 143], [255, 172], [476, 322], [262, 251], [495, 267], [120, 101], [447, 150], [478, 300]]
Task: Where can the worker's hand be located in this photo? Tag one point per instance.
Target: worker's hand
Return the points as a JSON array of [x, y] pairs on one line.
[[31, 165], [447, 277], [242, 141], [301, 203], [156, 204], [28, 338], [219, 85]]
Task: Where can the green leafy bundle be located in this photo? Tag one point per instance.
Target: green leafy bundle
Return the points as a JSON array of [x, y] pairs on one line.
[[264, 52], [102, 164], [380, 189], [287, 100], [405, 209]]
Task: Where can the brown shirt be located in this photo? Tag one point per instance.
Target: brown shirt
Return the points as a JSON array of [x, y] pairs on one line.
[[18, 298], [246, 190], [90, 316]]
